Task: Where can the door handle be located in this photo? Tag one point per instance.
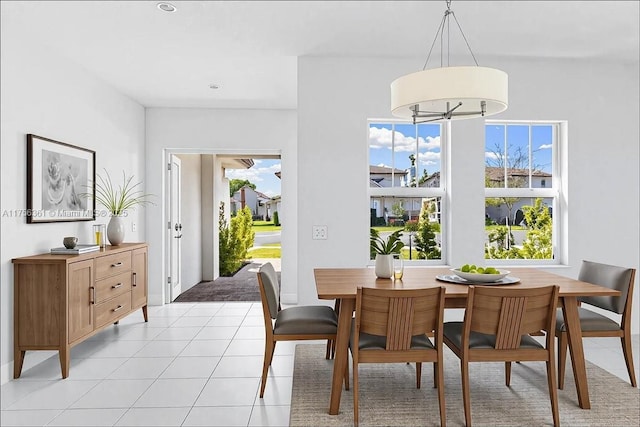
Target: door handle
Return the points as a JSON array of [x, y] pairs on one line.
[[177, 237]]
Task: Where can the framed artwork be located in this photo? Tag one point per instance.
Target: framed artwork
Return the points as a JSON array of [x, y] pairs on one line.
[[60, 181]]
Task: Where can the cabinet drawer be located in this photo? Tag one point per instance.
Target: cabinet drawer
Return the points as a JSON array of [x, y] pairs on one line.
[[112, 264], [112, 310], [113, 286]]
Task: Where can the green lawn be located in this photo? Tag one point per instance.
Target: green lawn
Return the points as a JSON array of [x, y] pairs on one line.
[[260, 226], [267, 251]]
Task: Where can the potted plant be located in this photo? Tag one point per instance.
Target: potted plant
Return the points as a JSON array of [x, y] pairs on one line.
[[382, 251], [117, 200]]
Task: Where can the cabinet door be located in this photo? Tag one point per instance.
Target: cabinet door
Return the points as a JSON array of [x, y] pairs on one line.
[[139, 278], [81, 299]]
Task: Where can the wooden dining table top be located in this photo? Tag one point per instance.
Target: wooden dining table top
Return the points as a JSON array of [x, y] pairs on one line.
[[333, 283]]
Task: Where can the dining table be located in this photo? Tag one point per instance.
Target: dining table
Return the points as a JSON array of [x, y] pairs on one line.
[[340, 284]]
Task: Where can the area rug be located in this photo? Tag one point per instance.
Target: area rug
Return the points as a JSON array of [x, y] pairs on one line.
[[388, 396], [242, 286]]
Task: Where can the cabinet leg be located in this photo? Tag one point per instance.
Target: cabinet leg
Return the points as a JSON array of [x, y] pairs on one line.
[[64, 354], [144, 313], [18, 360]]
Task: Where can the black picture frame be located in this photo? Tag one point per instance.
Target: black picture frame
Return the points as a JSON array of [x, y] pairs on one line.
[[60, 181]]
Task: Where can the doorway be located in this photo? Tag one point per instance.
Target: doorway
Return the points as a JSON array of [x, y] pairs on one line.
[[204, 179]]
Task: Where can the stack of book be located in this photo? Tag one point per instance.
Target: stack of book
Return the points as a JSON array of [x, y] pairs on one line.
[[79, 249]]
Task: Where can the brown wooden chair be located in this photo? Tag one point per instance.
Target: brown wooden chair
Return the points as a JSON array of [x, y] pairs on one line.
[[391, 326], [496, 327], [310, 322], [595, 324]]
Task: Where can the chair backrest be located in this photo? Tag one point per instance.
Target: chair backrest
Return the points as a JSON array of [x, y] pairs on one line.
[[399, 314], [612, 277], [509, 313], [269, 288]]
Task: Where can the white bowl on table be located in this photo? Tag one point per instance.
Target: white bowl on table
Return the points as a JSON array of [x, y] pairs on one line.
[[482, 278]]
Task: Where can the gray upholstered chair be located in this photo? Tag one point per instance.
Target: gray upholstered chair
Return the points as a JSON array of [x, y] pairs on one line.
[[312, 322], [496, 327], [392, 326], [595, 324]]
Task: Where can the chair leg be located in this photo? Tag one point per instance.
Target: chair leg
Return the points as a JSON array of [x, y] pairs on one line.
[[440, 380], [269, 347], [328, 353], [628, 357], [355, 392], [346, 374], [418, 374], [466, 396], [553, 393], [507, 373], [563, 345], [435, 375]]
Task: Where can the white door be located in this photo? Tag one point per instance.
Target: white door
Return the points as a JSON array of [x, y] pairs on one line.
[[174, 229]]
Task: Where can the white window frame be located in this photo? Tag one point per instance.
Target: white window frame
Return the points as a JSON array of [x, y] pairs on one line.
[[557, 192], [417, 192]]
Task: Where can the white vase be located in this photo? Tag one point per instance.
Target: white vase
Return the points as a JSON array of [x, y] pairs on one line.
[[384, 266], [115, 230]]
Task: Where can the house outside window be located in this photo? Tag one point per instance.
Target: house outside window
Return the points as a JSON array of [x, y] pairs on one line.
[[405, 186], [522, 191]]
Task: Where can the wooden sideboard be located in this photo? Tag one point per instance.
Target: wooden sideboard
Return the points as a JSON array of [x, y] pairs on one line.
[[61, 300]]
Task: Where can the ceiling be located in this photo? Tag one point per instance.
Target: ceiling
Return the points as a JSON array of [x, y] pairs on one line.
[[250, 48]]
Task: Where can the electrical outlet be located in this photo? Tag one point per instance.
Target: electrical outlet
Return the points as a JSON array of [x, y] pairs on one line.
[[319, 232], [134, 226]]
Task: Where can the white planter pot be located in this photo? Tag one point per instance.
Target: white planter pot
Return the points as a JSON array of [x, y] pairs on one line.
[[384, 266], [115, 230]]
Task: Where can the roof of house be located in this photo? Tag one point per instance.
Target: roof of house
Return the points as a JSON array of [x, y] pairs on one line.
[[381, 170], [497, 174]]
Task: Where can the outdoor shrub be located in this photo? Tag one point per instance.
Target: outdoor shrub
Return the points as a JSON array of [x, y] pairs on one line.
[[234, 240], [276, 219], [426, 237]]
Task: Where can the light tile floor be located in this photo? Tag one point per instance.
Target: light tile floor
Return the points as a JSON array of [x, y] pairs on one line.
[[192, 364]]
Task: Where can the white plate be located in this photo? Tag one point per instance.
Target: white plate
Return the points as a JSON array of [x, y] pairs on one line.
[[509, 280], [477, 277]]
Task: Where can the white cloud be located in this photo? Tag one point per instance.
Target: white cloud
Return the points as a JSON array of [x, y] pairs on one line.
[[382, 138], [254, 174], [493, 156], [545, 147]]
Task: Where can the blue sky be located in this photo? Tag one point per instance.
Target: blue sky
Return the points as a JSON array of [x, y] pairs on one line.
[[262, 174], [428, 145]]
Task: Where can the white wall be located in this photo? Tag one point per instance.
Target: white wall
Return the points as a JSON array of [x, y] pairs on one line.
[[45, 95], [220, 131], [191, 220], [209, 217], [599, 101]]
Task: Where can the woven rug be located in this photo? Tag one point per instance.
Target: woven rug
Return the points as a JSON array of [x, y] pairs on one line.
[[388, 396]]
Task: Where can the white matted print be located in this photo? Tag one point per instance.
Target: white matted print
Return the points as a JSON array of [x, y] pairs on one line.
[[60, 181]]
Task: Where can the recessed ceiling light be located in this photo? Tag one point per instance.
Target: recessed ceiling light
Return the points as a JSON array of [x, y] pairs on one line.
[[214, 86], [166, 7]]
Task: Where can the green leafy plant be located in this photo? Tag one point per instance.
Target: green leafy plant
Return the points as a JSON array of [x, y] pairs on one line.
[[378, 245], [234, 240], [117, 199]]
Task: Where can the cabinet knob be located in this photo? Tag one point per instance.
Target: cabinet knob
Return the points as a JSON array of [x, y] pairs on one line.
[[134, 282], [116, 286], [117, 264], [93, 294], [118, 308]]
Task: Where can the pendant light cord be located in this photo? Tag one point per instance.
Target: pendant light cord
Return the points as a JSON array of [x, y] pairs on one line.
[[440, 31]]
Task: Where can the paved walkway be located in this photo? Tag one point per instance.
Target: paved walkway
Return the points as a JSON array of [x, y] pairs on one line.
[[242, 286]]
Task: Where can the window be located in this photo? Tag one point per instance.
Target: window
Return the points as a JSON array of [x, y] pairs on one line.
[[522, 188], [406, 187]]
